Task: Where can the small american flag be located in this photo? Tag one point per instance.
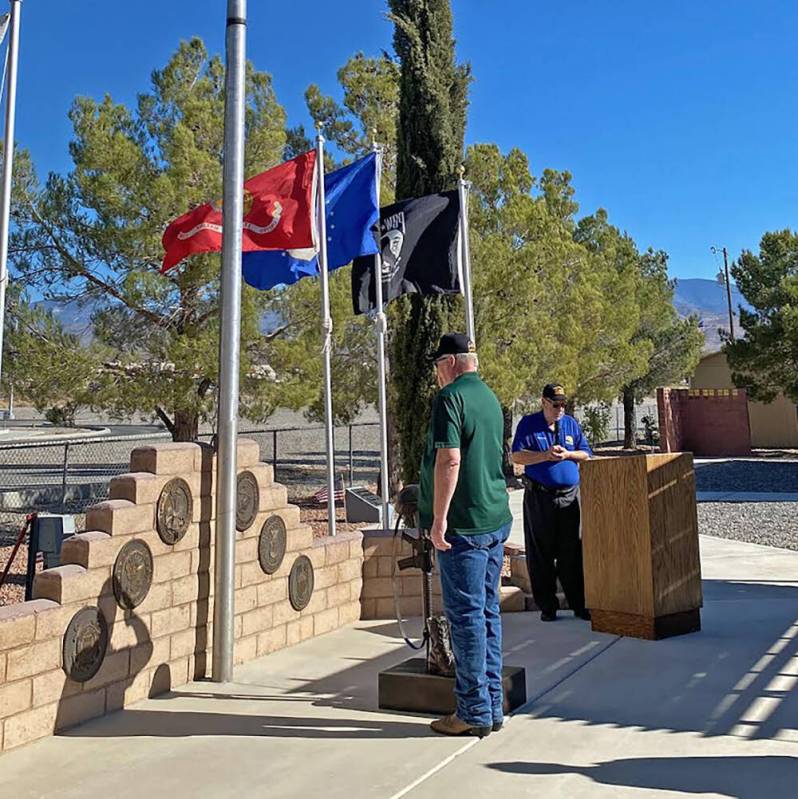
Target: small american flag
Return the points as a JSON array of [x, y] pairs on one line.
[[321, 495]]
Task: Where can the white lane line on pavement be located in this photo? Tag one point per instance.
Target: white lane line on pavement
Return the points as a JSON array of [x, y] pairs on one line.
[[435, 769]]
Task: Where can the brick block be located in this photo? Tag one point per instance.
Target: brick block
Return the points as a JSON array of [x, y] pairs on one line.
[[201, 561], [149, 655], [356, 547], [511, 599], [158, 597], [71, 583], [81, 707], [377, 587], [186, 643], [204, 458], [247, 452], [379, 542], [273, 497], [115, 667], [317, 554], [191, 540], [252, 574], [272, 640], [257, 620], [337, 552], [170, 567], [299, 538], [293, 632], [191, 588], [204, 509], [33, 659], [246, 649], [355, 590], [337, 594], [174, 458], [201, 613], [317, 602], [52, 686], [15, 697], [178, 672], [2, 671], [371, 566], [368, 608], [274, 590], [17, 624], [325, 621], [283, 612], [246, 599], [124, 634], [385, 565], [29, 726], [351, 569], [247, 550], [349, 613], [171, 620], [519, 574], [90, 549], [140, 488], [324, 578], [120, 517]]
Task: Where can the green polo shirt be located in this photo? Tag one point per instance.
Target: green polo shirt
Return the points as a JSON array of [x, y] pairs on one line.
[[467, 415]]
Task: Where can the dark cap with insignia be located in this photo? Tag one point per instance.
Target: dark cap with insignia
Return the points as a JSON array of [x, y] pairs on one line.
[[453, 344], [554, 391]]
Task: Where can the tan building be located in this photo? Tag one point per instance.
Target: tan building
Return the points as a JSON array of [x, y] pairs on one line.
[[773, 424]]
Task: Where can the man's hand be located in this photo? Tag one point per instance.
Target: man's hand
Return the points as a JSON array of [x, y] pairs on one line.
[[557, 453], [437, 534]]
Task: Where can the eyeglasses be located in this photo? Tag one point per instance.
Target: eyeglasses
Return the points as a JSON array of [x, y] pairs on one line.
[[554, 404]]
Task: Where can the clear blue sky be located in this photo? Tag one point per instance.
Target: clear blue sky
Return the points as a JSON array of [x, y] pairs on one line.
[[680, 118]]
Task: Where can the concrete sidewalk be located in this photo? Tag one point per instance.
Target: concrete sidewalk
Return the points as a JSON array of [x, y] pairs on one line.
[[712, 713]]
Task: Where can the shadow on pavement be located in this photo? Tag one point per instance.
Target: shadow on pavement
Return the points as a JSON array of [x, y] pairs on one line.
[[736, 777]]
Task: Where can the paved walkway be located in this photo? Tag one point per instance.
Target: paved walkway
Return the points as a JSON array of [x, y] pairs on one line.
[[714, 713]]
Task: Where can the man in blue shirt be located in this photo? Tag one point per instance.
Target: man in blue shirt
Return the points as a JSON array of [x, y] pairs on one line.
[[549, 445]]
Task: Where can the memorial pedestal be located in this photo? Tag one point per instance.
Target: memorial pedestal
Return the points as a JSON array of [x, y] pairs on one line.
[[408, 687], [640, 545]]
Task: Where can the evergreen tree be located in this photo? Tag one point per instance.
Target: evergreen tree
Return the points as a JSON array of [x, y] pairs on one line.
[[433, 91], [764, 360]]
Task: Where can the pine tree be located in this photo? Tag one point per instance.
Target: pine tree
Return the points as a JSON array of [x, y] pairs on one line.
[[432, 117]]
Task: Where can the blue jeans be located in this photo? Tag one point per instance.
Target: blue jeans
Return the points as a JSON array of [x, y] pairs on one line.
[[470, 573]]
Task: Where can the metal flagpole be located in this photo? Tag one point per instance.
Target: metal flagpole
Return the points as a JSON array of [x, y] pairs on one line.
[[8, 163], [381, 327], [463, 186], [326, 331], [229, 340]]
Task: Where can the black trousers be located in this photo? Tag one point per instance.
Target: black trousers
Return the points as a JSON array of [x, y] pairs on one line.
[[553, 549]]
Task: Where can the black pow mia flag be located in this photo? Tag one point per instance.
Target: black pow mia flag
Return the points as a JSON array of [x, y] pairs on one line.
[[418, 245]]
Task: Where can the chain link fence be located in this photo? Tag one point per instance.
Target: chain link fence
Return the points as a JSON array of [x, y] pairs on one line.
[[68, 476]]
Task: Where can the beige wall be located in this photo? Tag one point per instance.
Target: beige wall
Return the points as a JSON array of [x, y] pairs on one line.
[[773, 424]]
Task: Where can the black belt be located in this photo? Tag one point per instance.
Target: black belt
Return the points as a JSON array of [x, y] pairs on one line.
[[555, 492]]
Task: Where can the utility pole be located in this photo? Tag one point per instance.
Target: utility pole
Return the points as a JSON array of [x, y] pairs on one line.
[[728, 293], [8, 162]]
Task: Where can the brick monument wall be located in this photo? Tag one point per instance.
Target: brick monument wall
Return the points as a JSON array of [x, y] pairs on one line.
[[165, 640], [704, 421]]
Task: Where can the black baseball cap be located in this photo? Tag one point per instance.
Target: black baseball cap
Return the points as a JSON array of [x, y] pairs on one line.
[[453, 344], [554, 391]]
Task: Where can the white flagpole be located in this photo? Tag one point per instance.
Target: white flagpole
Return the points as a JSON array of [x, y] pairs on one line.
[[12, 58], [229, 341], [326, 331], [465, 252], [381, 326]]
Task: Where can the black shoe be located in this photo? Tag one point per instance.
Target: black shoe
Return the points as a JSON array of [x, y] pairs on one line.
[[497, 725], [546, 615], [583, 614]]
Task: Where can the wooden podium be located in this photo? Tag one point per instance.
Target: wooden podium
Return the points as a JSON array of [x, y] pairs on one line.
[[640, 545]]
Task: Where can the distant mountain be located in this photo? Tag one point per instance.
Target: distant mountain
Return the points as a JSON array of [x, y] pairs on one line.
[[707, 300]]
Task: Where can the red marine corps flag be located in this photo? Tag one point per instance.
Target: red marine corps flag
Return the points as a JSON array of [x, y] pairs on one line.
[[278, 215]]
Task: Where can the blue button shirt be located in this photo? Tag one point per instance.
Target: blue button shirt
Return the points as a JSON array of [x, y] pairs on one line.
[[533, 433]]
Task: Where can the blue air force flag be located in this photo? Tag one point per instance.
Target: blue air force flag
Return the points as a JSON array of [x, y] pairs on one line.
[[351, 212]]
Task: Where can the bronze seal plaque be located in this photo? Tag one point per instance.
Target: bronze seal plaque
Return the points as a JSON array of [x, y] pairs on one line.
[[132, 574], [175, 508], [271, 544], [247, 500], [300, 583], [85, 642]]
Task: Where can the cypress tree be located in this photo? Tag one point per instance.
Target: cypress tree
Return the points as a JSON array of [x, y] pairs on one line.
[[432, 117]]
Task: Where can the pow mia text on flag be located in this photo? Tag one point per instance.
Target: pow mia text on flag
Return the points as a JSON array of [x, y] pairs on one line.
[[418, 251]]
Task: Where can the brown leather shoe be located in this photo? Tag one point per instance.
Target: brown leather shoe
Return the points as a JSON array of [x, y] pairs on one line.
[[452, 725]]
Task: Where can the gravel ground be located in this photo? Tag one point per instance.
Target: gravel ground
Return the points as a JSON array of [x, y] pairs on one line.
[[772, 524], [749, 475]]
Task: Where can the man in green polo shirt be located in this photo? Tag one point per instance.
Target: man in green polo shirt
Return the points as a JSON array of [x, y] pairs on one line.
[[463, 503]]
